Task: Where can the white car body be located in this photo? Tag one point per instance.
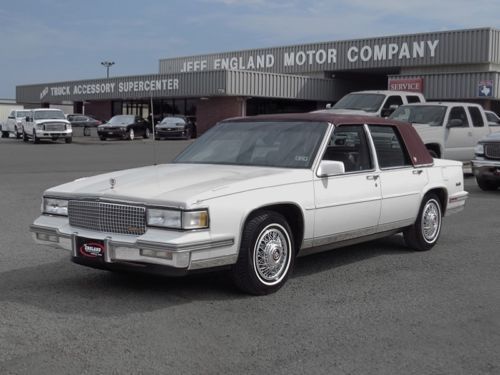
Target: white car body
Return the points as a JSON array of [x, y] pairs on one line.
[[15, 122], [390, 100], [47, 123], [448, 141], [335, 208]]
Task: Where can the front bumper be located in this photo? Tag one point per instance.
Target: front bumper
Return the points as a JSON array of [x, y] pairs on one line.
[[157, 248], [486, 169], [114, 133], [175, 133], [54, 134]]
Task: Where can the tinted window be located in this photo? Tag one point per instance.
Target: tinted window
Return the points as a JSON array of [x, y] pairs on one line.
[[393, 100], [348, 144], [475, 115], [286, 144], [389, 147], [458, 113], [413, 99]]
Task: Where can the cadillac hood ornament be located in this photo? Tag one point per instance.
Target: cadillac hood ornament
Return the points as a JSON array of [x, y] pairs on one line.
[[112, 183]]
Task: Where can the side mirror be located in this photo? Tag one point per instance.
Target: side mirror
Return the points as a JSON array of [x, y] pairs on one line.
[[27, 119], [455, 123], [328, 105], [330, 168]]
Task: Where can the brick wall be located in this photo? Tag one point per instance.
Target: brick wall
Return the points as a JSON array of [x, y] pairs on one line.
[[213, 110], [100, 110]]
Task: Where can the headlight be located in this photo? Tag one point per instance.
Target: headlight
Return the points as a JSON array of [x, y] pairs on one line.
[[479, 149], [68, 126], [54, 206], [40, 126], [177, 219]]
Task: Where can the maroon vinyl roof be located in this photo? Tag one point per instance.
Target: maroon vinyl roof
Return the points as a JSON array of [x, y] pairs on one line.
[[419, 154]]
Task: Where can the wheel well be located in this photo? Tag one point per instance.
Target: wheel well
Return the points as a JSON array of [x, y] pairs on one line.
[[434, 147], [292, 214], [442, 195]]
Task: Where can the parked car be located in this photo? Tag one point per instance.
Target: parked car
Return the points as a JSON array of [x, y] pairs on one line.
[[14, 123], [253, 193], [47, 123], [379, 103], [449, 129], [175, 127], [486, 163], [85, 121], [493, 118], [124, 127]]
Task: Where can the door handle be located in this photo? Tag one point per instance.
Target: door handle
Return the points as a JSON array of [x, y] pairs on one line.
[[373, 177], [417, 171]]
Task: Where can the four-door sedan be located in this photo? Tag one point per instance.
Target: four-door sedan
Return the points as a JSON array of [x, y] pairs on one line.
[[175, 127], [254, 193], [486, 163], [124, 127]]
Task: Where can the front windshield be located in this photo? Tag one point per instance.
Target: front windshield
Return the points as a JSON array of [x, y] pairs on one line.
[[121, 120], [285, 144], [48, 115], [22, 114], [363, 102], [432, 115], [172, 121]]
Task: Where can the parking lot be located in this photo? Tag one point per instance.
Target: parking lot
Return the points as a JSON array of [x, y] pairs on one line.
[[374, 308]]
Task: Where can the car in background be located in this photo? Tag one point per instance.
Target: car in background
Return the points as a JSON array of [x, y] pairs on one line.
[[14, 123], [493, 118], [124, 127], [486, 163], [47, 123], [449, 130], [380, 103], [85, 121], [175, 127]]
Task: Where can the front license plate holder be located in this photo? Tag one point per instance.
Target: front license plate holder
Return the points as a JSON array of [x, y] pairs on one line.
[[90, 249]]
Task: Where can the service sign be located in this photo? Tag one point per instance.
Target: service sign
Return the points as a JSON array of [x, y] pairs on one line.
[[406, 84]]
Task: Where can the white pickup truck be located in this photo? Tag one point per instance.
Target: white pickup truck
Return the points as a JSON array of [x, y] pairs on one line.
[[14, 123], [47, 123], [449, 130], [379, 103]]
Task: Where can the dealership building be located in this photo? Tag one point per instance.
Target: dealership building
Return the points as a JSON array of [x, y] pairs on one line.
[[461, 65]]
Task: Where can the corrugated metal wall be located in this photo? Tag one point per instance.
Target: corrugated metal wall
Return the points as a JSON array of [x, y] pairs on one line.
[[455, 86], [453, 47]]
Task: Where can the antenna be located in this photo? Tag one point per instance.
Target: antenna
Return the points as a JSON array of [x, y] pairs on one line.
[[155, 155]]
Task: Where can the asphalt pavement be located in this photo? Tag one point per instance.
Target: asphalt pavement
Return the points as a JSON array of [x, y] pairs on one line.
[[374, 308]]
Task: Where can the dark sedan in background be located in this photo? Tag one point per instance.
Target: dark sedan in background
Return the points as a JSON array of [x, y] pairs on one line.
[[87, 122], [124, 127], [175, 127]]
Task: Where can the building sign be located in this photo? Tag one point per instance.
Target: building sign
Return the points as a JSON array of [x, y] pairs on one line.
[[406, 84], [333, 55], [485, 88]]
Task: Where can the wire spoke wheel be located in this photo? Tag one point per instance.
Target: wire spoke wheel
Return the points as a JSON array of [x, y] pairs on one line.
[[271, 254], [431, 221]]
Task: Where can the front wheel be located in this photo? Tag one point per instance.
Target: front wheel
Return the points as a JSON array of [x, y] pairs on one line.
[[5, 134], [424, 234], [131, 134], [486, 185], [68, 140], [35, 138], [266, 255], [25, 137]]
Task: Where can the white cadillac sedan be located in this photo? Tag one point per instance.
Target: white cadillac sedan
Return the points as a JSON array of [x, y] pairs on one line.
[[254, 193]]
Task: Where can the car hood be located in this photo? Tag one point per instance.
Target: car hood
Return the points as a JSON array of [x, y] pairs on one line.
[[114, 125], [42, 121], [178, 185]]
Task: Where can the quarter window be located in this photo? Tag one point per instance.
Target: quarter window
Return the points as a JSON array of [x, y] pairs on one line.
[[389, 146], [413, 99], [348, 144], [477, 118]]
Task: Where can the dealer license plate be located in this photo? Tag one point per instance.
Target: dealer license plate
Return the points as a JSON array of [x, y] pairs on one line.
[[90, 249]]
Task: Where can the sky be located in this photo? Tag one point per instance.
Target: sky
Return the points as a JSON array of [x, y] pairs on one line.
[[43, 41]]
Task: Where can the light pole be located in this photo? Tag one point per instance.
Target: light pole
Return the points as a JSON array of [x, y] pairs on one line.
[[107, 64]]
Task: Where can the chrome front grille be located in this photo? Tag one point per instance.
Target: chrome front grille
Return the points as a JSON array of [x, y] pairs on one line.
[[54, 127], [492, 150], [107, 217]]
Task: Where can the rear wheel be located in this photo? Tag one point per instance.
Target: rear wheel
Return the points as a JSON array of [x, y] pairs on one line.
[[486, 185], [266, 255], [5, 134], [424, 234], [102, 138], [25, 137]]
